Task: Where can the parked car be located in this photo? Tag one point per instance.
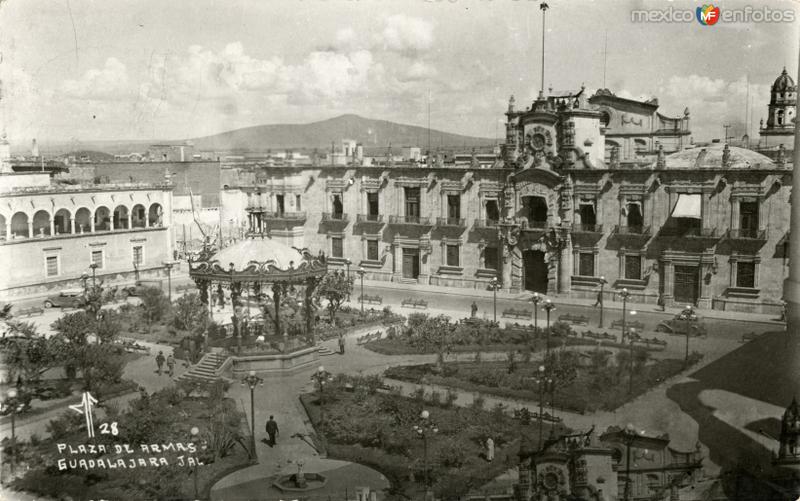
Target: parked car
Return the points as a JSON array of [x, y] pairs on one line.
[[138, 288], [679, 325], [66, 299]]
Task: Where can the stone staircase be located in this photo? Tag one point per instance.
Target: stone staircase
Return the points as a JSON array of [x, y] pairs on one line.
[[325, 351], [204, 370]]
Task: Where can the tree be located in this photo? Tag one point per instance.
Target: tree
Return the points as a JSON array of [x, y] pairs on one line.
[[435, 334], [154, 305], [29, 354], [335, 287], [107, 326], [74, 327], [188, 313], [99, 363]]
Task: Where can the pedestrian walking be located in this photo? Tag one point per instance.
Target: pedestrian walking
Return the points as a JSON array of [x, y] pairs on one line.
[[341, 344], [599, 299], [160, 361], [272, 431], [489, 449], [170, 365], [473, 309], [661, 302]]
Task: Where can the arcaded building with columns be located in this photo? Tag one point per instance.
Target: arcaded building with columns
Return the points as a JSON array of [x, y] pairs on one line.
[[51, 232], [586, 188]]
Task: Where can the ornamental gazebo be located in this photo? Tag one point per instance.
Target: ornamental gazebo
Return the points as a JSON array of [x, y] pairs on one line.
[[256, 264]]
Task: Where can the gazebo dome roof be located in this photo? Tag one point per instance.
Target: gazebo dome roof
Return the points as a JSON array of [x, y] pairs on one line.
[[261, 251]]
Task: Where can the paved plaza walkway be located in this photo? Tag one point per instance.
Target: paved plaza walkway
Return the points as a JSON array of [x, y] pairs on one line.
[[654, 411]]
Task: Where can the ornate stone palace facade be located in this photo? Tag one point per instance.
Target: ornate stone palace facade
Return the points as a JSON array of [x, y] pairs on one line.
[[585, 187], [50, 232]]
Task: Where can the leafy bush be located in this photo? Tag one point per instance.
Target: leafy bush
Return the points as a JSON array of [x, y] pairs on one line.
[[450, 454], [435, 398], [65, 424], [450, 398], [478, 402]]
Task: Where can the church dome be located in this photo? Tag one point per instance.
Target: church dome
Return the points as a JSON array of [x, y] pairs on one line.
[[261, 251], [714, 156], [783, 83]]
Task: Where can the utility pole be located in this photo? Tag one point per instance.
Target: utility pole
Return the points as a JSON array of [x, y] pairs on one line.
[[726, 127]]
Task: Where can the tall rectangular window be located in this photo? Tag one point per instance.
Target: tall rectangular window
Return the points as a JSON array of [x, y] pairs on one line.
[[281, 207], [453, 207], [588, 217], [633, 267], [372, 250], [748, 218], [97, 258], [337, 248], [138, 255], [337, 207], [633, 216], [412, 202], [490, 258], [586, 264], [452, 255], [298, 202], [51, 265], [373, 206], [746, 275], [492, 211]]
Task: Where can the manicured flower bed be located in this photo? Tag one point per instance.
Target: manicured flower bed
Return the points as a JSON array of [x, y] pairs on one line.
[[374, 427], [603, 386]]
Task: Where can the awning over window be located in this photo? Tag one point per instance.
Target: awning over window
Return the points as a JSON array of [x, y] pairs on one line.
[[687, 206]]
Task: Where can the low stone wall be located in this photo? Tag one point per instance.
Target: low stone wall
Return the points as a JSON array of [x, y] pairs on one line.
[[277, 363]]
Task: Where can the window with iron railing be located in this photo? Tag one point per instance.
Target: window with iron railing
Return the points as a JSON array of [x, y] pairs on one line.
[[746, 274], [412, 202], [373, 206], [452, 255], [633, 267], [490, 256], [337, 247], [586, 264], [372, 250]]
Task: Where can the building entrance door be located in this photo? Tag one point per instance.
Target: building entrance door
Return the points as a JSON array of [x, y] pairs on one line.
[[410, 263], [535, 271], [687, 284]]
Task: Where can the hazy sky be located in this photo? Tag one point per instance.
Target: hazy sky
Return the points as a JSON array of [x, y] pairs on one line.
[[142, 69]]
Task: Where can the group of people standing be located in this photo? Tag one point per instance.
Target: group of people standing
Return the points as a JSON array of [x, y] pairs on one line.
[[169, 360]]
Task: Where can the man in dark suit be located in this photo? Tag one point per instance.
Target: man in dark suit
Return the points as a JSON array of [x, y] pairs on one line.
[[272, 430]]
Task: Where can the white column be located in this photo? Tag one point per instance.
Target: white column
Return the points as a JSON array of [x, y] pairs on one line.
[[72, 225], [30, 228], [52, 226]]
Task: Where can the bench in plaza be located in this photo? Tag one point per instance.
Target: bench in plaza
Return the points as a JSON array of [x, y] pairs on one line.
[[371, 299], [604, 336], [636, 338], [414, 303], [525, 330], [512, 313], [634, 324], [29, 312], [574, 319]]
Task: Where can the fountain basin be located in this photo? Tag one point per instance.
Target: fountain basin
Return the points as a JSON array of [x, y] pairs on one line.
[[309, 482]]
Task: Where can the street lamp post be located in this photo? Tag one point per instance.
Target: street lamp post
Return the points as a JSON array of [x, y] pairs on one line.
[[13, 402], [348, 263], [689, 316], [252, 381], [320, 377], [624, 294], [84, 279], [548, 306], [195, 439], [423, 429], [536, 299], [544, 383], [361, 273], [494, 284], [629, 434], [603, 283], [93, 266], [630, 362], [168, 266]]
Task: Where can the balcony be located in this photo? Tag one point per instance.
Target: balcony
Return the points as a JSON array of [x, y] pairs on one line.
[[369, 219], [587, 228], [486, 224], [328, 217], [675, 230], [631, 230], [294, 217], [534, 225], [747, 234], [410, 220], [451, 222]]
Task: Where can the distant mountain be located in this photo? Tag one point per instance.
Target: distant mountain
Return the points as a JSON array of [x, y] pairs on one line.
[[367, 131]]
